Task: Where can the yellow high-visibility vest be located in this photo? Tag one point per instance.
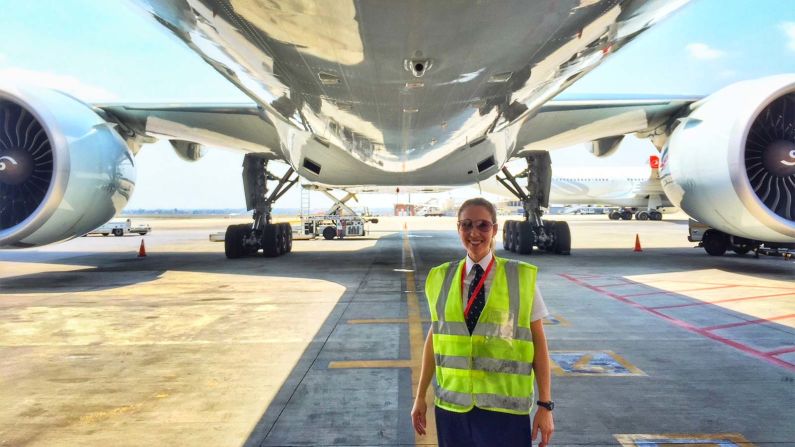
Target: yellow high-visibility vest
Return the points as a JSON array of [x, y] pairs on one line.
[[492, 368]]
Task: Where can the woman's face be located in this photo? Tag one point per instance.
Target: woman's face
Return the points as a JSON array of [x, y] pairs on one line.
[[475, 236]]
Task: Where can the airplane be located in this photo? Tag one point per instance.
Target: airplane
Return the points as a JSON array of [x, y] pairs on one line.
[[400, 94], [635, 190]]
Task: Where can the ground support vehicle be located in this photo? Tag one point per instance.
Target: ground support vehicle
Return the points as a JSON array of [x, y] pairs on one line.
[[120, 228], [626, 213], [340, 220], [332, 226], [716, 242]]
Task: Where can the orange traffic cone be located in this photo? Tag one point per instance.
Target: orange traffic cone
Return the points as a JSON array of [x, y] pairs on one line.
[[637, 243], [142, 250]]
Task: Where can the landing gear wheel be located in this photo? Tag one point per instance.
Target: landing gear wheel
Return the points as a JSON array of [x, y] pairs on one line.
[[329, 233], [515, 236], [281, 239], [549, 228], [642, 215], [626, 215], [118, 232], [655, 215], [524, 238], [506, 236], [509, 236], [614, 215], [715, 243], [562, 238], [270, 241], [233, 240], [288, 237]]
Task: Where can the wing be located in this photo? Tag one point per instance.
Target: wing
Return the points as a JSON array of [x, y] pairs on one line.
[[565, 122], [240, 126]]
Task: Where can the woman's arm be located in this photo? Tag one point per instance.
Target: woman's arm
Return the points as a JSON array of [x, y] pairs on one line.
[[426, 373], [543, 417]]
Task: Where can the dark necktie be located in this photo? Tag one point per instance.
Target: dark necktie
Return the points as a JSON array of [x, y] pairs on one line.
[[480, 300]]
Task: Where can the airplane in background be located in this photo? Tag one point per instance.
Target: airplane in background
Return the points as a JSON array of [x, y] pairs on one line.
[[375, 94], [635, 190]]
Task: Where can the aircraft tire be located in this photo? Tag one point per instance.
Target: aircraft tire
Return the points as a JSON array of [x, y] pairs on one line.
[[549, 228], [515, 236], [281, 244], [655, 215], [506, 236], [715, 243], [626, 215], [642, 215], [118, 232], [614, 215], [562, 238], [329, 233], [269, 241], [288, 234], [233, 241], [524, 238]]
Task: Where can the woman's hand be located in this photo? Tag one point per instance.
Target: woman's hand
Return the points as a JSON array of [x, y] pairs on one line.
[[418, 415], [543, 421]]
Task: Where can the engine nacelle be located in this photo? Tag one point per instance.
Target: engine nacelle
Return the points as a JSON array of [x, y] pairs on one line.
[[63, 170], [731, 163]]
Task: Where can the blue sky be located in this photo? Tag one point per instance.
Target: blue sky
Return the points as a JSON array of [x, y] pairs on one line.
[[108, 51]]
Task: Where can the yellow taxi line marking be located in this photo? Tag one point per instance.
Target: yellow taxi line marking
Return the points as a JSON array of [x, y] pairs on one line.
[[560, 321], [416, 343], [629, 440], [381, 321], [371, 364]]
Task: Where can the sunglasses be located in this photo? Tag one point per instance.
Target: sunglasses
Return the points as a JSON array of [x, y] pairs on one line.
[[484, 226]]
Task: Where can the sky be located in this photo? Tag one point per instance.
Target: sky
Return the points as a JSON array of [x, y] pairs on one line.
[[109, 51]]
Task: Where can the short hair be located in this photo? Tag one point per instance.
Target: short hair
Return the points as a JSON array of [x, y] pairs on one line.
[[479, 201]]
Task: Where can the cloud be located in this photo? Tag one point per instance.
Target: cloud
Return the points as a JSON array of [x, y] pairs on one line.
[[64, 83], [789, 30], [703, 51]]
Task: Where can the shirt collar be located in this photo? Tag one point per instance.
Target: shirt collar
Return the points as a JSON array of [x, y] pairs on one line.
[[484, 263]]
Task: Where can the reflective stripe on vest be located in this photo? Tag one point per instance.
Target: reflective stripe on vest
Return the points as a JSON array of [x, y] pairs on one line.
[[496, 357]]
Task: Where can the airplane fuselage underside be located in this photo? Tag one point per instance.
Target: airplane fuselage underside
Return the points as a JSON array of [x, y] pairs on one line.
[[403, 93]]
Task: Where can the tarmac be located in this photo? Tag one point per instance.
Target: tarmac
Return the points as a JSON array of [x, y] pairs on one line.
[[321, 347]]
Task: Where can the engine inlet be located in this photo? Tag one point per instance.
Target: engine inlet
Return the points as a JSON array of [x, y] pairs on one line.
[[770, 156], [26, 164]]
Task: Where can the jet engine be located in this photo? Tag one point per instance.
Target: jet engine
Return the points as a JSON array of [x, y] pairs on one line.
[[63, 169], [731, 163]]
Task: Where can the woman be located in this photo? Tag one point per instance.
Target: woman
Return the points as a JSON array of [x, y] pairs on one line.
[[486, 345]]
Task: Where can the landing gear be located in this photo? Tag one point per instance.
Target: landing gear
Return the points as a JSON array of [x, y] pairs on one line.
[[627, 213], [520, 236], [274, 239]]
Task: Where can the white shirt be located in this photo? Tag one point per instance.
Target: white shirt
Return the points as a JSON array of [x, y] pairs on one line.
[[539, 308]]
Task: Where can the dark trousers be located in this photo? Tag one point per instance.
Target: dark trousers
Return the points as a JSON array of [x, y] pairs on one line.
[[482, 428]]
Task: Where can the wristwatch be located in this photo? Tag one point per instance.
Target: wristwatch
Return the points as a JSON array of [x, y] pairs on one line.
[[548, 405]]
